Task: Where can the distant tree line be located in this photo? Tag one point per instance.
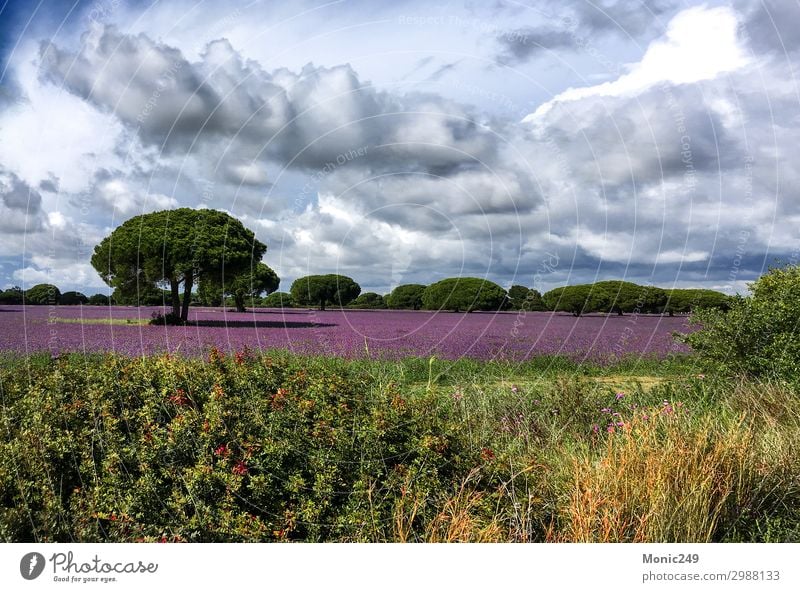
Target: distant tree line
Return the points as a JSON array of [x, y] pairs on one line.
[[257, 289]]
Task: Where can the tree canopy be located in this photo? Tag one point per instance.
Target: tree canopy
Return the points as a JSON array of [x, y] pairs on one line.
[[522, 298], [176, 248], [252, 284], [408, 296], [278, 300], [368, 300], [73, 298], [43, 294], [464, 294], [321, 290]]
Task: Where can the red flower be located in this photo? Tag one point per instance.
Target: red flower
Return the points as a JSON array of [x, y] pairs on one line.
[[240, 468], [487, 453], [221, 450]]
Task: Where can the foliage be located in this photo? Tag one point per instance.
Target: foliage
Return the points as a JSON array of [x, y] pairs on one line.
[[99, 300], [758, 335], [686, 300], [71, 298], [336, 290], [280, 447], [12, 296], [42, 294], [177, 248], [577, 299], [406, 296], [368, 300], [278, 300], [527, 299], [252, 284], [464, 294]]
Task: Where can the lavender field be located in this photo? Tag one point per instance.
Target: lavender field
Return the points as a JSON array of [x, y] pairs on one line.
[[351, 333]]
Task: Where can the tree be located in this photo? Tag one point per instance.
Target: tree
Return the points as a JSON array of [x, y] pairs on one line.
[[758, 335], [467, 294], [99, 300], [252, 284], [71, 298], [619, 297], [42, 294], [576, 299], [279, 300], [686, 300], [408, 296], [527, 299], [337, 290], [176, 249], [368, 300], [12, 296]]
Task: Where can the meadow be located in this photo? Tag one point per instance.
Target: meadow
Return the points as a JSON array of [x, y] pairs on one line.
[[378, 334], [387, 426]]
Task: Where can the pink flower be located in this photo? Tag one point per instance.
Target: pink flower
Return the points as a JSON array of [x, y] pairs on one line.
[[618, 396], [240, 468], [514, 388], [595, 428], [457, 396]]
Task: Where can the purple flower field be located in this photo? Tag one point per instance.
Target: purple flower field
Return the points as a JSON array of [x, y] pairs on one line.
[[351, 333]]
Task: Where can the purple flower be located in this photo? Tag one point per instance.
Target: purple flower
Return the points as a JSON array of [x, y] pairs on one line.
[[605, 410], [618, 396]]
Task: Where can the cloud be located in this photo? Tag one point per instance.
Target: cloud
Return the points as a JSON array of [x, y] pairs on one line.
[[304, 119], [520, 45], [700, 44], [20, 205]]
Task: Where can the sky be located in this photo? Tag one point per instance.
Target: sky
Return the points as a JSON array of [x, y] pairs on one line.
[[533, 143]]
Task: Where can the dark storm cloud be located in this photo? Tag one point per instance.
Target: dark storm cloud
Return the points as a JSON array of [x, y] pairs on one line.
[[772, 25]]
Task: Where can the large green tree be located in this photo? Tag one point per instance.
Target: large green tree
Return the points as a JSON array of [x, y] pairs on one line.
[[369, 300], [176, 249], [406, 296], [321, 290], [73, 298], [467, 294], [682, 300], [43, 294]]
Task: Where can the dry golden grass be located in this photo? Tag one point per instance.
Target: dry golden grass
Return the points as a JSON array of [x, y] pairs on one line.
[[658, 479]]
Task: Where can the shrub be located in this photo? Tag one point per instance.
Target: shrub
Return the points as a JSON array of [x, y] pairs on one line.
[[278, 300], [12, 296], [235, 448], [464, 294], [760, 334]]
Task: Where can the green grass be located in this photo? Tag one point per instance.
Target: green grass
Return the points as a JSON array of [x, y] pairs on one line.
[[107, 448]]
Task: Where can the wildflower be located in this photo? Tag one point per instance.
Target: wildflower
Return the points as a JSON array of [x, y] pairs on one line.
[[457, 396], [514, 388], [619, 396], [240, 468], [606, 410], [221, 450], [179, 398], [610, 429], [646, 417], [595, 429], [487, 453], [701, 376]]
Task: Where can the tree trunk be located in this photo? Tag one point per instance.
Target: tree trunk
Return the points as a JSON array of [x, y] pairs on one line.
[[619, 312], [187, 297], [239, 300], [176, 297], [322, 304]]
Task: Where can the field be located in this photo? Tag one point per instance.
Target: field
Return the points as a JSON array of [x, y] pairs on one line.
[[383, 427], [349, 333]]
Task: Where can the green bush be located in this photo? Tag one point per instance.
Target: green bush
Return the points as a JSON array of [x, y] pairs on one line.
[[278, 300], [99, 300], [758, 335], [464, 294], [12, 296], [233, 448]]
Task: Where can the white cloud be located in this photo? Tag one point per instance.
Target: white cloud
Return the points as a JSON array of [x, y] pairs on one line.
[[700, 44]]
